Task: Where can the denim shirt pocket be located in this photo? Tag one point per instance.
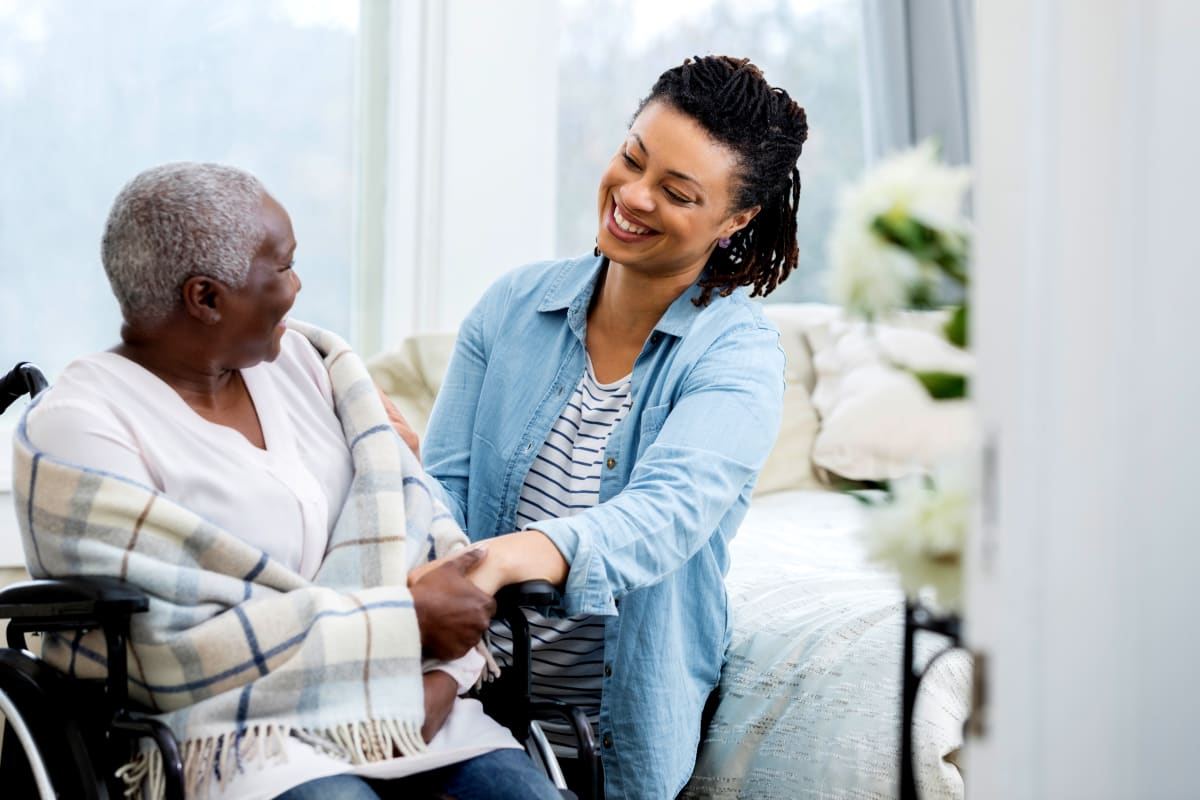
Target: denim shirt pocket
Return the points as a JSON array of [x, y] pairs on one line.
[[653, 419]]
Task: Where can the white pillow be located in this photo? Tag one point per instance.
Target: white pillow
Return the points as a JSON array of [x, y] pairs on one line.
[[877, 420], [789, 466]]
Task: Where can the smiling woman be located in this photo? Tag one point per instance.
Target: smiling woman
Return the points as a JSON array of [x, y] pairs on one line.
[[151, 83], [653, 212], [809, 45], [575, 429], [199, 257]]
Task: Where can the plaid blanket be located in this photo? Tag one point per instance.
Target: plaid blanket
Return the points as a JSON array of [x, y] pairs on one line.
[[238, 651]]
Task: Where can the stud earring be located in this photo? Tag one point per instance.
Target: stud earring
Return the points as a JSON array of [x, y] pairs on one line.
[[723, 242]]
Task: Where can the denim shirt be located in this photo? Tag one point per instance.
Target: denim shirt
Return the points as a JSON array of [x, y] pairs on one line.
[[707, 394]]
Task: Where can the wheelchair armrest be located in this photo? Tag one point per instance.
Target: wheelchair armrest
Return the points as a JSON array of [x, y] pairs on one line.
[[60, 604], [532, 594], [63, 603], [78, 603]]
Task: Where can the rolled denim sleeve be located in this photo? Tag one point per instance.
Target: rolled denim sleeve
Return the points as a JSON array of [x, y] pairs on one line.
[[716, 437]]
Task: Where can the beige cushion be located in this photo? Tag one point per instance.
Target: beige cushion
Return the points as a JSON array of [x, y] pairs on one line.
[[789, 465], [412, 374], [877, 420]]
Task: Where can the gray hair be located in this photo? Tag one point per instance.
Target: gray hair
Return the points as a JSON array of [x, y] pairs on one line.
[[175, 221]]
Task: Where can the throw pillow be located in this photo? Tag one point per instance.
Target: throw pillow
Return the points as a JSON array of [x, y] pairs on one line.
[[877, 421]]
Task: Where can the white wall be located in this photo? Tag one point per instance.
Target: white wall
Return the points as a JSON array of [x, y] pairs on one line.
[[1088, 278], [471, 159]]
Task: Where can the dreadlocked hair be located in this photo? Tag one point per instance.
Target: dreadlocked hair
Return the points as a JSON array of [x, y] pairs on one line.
[[765, 129]]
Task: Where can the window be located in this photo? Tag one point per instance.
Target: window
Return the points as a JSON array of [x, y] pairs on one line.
[[92, 93], [610, 56]]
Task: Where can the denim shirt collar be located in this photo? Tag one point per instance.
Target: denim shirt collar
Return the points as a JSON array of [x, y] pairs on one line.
[[572, 290]]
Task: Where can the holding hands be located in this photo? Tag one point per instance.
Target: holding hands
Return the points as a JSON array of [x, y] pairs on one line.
[[452, 612]]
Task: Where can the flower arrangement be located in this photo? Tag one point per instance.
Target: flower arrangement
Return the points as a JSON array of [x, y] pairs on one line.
[[901, 241]]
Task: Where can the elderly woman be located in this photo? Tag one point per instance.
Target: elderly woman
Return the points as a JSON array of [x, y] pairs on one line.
[[241, 471], [616, 410]]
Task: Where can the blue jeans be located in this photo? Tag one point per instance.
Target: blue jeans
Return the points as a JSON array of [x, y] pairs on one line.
[[498, 775]]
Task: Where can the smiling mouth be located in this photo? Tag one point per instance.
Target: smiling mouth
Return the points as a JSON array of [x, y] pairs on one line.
[[625, 229], [626, 225]]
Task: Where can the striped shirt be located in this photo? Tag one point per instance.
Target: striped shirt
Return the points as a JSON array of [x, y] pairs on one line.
[[568, 654]]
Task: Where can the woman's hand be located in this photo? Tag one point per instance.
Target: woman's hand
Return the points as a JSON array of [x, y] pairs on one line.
[[400, 423], [440, 691], [452, 613]]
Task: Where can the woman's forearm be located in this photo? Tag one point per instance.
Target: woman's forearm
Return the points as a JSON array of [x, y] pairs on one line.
[[520, 556]]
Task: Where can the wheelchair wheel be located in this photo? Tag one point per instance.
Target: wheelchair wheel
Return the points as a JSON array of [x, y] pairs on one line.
[[44, 753]]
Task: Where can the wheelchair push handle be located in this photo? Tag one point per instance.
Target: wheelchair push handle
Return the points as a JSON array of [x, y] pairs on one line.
[[22, 379], [530, 594]]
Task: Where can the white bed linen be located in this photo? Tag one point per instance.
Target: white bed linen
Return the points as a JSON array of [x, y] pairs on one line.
[[810, 696]]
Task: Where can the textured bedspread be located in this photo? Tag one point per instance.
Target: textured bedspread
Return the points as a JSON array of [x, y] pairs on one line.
[[810, 697]]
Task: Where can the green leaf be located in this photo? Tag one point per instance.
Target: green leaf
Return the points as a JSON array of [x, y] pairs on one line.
[[948, 251], [943, 385], [956, 327]]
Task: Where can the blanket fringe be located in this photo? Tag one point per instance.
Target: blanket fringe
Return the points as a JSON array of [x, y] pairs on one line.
[[218, 758]]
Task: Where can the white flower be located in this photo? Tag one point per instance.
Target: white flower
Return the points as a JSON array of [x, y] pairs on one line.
[[922, 532], [916, 184], [869, 274]]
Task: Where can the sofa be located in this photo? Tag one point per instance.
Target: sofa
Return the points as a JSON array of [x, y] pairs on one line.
[[809, 701]]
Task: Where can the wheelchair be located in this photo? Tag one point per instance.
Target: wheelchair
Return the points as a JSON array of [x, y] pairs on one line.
[[66, 738]]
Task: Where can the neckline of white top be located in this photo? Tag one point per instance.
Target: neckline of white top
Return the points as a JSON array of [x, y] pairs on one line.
[[277, 436]]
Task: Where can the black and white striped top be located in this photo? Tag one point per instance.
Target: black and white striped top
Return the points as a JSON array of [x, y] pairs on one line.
[[568, 654]]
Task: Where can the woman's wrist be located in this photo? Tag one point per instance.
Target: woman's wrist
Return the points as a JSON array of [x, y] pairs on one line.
[[517, 557], [538, 559]]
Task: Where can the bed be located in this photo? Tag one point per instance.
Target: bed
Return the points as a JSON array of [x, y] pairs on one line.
[[810, 696]]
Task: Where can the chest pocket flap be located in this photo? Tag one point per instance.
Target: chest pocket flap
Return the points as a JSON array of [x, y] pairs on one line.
[[652, 421]]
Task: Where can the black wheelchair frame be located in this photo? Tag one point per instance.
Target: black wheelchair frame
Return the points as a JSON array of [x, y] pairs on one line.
[[66, 737]]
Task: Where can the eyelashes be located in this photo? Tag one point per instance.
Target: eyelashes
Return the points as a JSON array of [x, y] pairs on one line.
[[670, 193]]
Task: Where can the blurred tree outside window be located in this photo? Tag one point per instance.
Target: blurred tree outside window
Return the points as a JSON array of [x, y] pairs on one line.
[[611, 53], [93, 93]]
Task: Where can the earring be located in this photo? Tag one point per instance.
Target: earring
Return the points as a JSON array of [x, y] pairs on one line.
[[723, 242], [596, 249]]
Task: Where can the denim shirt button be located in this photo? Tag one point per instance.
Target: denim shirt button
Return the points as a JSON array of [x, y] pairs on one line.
[[607, 742], [654, 337], [611, 463], [608, 670]]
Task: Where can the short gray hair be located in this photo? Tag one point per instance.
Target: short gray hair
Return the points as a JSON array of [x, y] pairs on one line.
[[175, 221]]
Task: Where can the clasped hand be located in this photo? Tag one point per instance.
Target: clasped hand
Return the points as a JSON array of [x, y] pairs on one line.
[[452, 612], [453, 595]]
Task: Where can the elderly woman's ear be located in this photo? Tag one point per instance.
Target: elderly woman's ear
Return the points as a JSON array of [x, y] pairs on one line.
[[200, 299]]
